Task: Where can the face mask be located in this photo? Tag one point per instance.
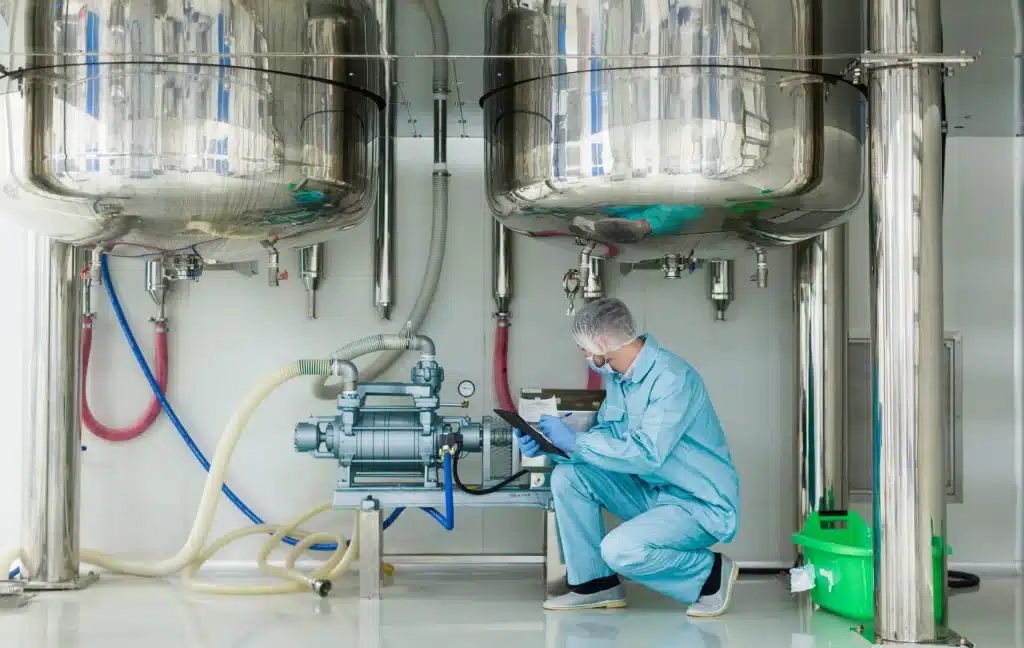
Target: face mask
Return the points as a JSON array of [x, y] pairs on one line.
[[605, 369]]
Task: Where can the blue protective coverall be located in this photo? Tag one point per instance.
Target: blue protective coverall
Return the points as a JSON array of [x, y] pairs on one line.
[[657, 459]]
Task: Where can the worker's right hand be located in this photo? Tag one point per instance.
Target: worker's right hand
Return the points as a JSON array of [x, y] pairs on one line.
[[529, 447]]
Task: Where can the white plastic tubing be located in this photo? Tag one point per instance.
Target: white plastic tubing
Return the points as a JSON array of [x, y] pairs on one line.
[[195, 552], [393, 345]]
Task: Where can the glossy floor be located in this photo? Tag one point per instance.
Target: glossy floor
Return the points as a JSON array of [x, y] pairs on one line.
[[463, 608]]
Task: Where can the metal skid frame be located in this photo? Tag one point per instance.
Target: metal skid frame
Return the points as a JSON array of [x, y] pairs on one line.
[[368, 502]]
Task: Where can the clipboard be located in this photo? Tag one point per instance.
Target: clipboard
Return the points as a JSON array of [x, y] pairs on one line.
[[520, 424]]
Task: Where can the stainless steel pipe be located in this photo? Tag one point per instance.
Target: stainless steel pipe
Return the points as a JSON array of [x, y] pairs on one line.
[[906, 312], [822, 333], [384, 223], [50, 519], [501, 275]]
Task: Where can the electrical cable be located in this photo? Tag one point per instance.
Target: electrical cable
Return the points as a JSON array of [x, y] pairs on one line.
[[959, 580], [483, 491]]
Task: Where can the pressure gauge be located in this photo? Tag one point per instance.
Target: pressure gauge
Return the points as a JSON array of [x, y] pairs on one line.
[[466, 388]]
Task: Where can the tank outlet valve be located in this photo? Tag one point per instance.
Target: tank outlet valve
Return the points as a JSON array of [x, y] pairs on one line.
[[720, 286], [311, 262], [273, 265], [760, 276], [672, 265]]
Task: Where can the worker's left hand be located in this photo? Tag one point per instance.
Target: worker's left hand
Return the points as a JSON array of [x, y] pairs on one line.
[[560, 434]]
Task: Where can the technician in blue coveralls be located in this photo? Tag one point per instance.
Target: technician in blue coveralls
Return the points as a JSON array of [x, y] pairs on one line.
[[658, 459]]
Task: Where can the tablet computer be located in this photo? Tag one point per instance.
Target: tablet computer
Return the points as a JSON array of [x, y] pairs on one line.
[[520, 424]]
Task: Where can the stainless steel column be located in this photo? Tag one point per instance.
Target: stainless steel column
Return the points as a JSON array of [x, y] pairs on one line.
[[822, 333], [384, 221], [371, 550], [53, 443], [501, 270], [906, 311]]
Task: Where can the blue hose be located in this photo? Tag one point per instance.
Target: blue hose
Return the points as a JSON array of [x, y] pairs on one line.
[[448, 520], [115, 303]]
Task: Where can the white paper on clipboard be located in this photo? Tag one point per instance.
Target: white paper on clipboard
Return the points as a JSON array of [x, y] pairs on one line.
[[531, 409]]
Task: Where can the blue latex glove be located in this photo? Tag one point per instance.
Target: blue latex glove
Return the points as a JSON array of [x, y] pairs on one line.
[[529, 447], [560, 434]]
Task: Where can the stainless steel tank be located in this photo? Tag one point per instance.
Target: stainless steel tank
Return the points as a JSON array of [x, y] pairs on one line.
[[673, 126], [168, 122]]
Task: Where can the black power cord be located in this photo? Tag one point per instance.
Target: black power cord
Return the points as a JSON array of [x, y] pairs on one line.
[[482, 491], [959, 580]]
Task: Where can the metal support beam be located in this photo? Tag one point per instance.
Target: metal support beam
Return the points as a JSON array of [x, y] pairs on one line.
[[554, 567], [822, 332], [906, 312], [50, 535], [371, 549]]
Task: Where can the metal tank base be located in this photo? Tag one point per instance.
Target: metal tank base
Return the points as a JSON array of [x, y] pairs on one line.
[[80, 583], [867, 633]]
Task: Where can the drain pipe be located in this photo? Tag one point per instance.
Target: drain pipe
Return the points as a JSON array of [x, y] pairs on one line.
[[907, 324], [438, 238], [384, 225]]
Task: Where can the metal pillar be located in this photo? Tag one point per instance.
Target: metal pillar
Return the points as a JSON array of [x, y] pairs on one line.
[[906, 312], [371, 550], [554, 567], [822, 334], [53, 444]]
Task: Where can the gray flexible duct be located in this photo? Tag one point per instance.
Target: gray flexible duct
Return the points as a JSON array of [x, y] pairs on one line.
[[392, 342], [439, 31], [395, 344]]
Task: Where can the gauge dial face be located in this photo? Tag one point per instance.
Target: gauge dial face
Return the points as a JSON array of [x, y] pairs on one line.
[[466, 388]]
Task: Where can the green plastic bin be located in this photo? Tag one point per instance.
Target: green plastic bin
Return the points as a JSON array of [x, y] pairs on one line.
[[840, 547]]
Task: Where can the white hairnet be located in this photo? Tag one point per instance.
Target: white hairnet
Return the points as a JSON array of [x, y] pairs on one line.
[[604, 325]]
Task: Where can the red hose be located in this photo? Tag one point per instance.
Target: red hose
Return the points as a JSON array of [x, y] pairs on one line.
[[501, 387], [151, 414], [501, 365]]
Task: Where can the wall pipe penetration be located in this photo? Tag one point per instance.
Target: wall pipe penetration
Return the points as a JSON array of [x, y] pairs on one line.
[[439, 233]]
